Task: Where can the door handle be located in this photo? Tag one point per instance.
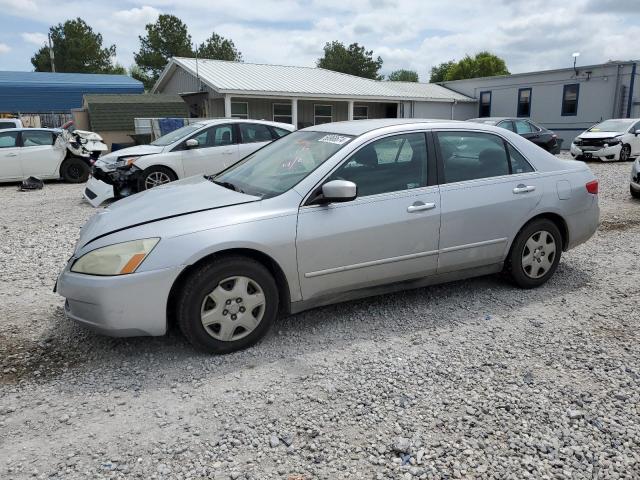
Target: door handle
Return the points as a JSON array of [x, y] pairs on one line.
[[522, 188], [11, 155], [227, 152], [420, 206]]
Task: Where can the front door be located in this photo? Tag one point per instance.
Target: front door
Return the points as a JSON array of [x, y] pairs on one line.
[[217, 149], [487, 191], [39, 155], [634, 140], [388, 233], [10, 168]]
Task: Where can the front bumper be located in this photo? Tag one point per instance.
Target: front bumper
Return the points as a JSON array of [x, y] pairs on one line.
[[119, 306], [96, 192], [613, 152], [635, 176]]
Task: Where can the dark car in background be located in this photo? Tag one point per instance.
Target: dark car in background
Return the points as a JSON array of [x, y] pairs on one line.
[[542, 137]]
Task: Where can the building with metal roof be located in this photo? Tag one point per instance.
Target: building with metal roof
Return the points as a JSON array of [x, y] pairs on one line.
[[302, 96], [43, 92]]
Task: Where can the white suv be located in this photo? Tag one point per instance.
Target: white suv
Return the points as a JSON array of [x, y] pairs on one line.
[[206, 147], [614, 139]]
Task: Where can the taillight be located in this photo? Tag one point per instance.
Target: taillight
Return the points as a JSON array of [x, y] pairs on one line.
[[592, 187]]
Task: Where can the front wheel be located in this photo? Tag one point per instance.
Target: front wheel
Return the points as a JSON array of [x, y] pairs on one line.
[[227, 305], [154, 176], [74, 170], [535, 253], [625, 153], [634, 193]]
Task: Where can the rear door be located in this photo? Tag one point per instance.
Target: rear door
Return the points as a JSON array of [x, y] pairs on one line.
[[487, 190], [10, 167], [388, 233], [217, 149], [634, 140], [252, 137], [39, 155]]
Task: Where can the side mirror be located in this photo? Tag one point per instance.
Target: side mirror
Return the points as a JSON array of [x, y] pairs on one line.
[[192, 143], [637, 132], [339, 191]]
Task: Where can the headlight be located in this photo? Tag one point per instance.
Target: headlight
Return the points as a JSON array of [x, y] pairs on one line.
[[577, 141], [118, 259], [612, 141], [126, 161]]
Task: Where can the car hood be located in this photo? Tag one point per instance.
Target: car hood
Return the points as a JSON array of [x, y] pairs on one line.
[[599, 134], [131, 151], [183, 197]]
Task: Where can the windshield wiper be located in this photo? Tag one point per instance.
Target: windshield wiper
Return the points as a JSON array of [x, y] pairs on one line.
[[228, 185]]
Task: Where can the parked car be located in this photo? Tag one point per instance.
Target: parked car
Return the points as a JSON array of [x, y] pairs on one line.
[[205, 147], [10, 123], [614, 139], [539, 135], [634, 185], [47, 153], [326, 214]]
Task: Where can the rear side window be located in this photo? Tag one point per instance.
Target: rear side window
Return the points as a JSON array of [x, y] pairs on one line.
[[7, 125], [472, 155], [36, 138], [8, 139], [518, 163], [254, 132]]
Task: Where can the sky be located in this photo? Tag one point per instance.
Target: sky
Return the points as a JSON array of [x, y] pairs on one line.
[[413, 34]]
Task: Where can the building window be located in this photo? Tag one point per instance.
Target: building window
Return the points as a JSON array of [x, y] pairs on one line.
[[282, 112], [322, 114], [239, 109], [524, 102], [570, 100], [485, 104], [360, 112]]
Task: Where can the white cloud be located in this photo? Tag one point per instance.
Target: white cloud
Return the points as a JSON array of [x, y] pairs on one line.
[[137, 16], [35, 38], [4, 48], [14, 6]]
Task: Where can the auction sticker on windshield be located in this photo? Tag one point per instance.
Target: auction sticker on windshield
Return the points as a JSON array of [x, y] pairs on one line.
[[337, 139]]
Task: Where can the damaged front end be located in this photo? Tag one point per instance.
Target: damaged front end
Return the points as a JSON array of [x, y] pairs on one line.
[[82, 143], [112, 180]]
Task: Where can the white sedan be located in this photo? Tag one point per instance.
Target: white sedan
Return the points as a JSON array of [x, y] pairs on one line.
[[206, 147], [614, 139]]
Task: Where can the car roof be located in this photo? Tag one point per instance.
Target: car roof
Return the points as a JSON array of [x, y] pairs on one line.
[[360, 127], [29, 129], [217, 121]]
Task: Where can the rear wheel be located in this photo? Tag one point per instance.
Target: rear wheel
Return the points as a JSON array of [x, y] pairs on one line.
[[634, 193], [74, 170], [154, 176], [625, 153], [535, 253], [227, 305]]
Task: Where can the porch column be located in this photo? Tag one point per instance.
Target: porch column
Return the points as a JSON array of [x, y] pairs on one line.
[[294, 112], [399, 110], [227, 105], [350, 110]]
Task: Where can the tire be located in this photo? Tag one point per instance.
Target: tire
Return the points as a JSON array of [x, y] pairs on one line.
[[209, 295], [154, 176], [634, 193], [625, 153], [528, 262], [74, 170]]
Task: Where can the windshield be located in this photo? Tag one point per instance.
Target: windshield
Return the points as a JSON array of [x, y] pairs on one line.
[[176, 135], [611, 126], [276, 168]]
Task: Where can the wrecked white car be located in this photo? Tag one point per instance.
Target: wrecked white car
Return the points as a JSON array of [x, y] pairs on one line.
[[48, 154]]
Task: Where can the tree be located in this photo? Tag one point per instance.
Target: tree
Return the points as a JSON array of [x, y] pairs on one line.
[[167, 37], [439, 72], [216, 47], [354, 60], [483, 64], [77, 49], [403, 76]]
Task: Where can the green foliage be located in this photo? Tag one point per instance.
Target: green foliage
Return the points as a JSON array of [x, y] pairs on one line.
[[77, 49], [483, 64], [216, 47], [354, 60], [403, 76]]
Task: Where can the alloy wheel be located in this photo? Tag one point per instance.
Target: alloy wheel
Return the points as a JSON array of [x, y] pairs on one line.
[[625, 153], [233, 309], [156, 178], [538, 254]]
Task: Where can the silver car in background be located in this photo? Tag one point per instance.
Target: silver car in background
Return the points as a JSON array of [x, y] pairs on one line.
[[323, 215]]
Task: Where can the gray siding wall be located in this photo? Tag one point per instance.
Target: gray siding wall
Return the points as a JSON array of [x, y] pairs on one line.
[[604, 94], [180, 82], [440, 110]]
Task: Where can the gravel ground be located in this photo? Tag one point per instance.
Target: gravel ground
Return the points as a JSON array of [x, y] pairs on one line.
[[474, 379]]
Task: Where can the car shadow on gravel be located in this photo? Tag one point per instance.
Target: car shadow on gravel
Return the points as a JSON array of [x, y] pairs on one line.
[[68, 348]]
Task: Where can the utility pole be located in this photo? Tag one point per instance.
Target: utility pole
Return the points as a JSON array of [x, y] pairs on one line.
[[51, 56]]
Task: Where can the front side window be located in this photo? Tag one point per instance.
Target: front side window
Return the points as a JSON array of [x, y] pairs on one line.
[[282, 112], [7, 125], [280, 132], [522, 127], [485, 104], [570, 100], [508, 124], [255, 132], [472, 155], [322, 114], [390, 164], [8, 139], [524, 102], [37, 138], [176, 135], [280, 165], [217, 136], [239, 110], [360, 112]]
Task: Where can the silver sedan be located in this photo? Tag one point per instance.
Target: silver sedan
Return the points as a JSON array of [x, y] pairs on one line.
[[326, 214]]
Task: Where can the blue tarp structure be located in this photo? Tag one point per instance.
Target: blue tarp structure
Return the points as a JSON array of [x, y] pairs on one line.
[[42, 92]]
